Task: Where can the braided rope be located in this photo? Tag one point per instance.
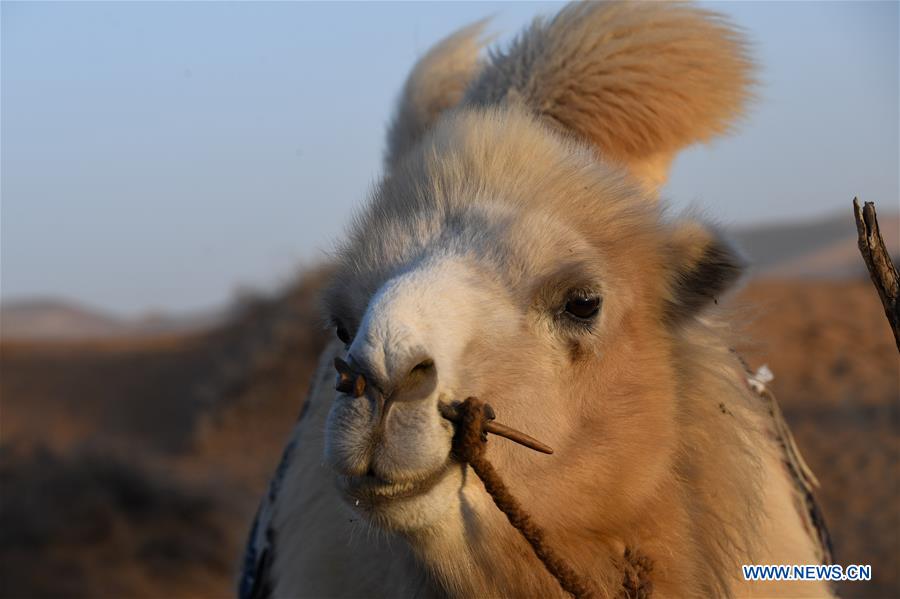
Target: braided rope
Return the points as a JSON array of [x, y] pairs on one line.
[[469, 447]]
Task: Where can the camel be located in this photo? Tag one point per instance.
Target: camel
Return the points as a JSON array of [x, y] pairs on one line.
[[516, 250]]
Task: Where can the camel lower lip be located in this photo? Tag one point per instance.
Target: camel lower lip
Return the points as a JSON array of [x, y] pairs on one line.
[[372, 489]]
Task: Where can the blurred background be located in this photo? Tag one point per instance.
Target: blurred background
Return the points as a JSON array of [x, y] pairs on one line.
[[173, 177]]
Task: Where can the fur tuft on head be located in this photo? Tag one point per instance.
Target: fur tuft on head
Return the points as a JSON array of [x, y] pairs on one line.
[[639, 80], [437, 83]]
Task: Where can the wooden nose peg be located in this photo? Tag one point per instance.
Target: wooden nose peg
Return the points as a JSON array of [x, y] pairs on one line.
[[348, 380], [451, 413]]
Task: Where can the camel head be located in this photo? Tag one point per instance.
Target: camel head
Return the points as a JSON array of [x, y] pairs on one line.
[[515, 251]]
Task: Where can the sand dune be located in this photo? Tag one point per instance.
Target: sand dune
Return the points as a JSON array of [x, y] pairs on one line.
[[64, 319], [824, 248]]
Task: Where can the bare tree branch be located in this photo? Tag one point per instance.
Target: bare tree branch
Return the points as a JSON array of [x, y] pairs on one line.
[[878, 261]]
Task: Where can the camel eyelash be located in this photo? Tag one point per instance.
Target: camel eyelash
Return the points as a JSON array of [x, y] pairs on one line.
[[580, 309]]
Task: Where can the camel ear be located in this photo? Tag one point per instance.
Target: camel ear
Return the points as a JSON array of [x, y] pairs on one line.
[[703, 267], [437, 83], [638, 80]]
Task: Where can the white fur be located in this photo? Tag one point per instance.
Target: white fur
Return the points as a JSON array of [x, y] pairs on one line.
[[428, 313]]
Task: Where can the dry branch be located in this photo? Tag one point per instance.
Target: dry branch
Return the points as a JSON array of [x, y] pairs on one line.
[[878, 261]]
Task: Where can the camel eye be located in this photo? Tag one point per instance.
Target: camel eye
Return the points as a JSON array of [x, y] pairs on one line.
[[342, 333], [583, 308]]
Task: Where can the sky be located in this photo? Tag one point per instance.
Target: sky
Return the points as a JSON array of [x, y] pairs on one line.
[[158, 156]]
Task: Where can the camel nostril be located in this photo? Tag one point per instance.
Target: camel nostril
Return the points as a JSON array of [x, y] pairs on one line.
[[348, 380], [423, 366], [420, 379]]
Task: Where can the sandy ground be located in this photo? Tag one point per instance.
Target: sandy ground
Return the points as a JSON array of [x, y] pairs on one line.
[[837, 377], [131, 468]]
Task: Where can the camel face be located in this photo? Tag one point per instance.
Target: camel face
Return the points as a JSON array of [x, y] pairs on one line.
[[481, 293], [448, 326]]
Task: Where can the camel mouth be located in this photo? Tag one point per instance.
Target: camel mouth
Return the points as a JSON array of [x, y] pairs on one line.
[[371, 490]]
